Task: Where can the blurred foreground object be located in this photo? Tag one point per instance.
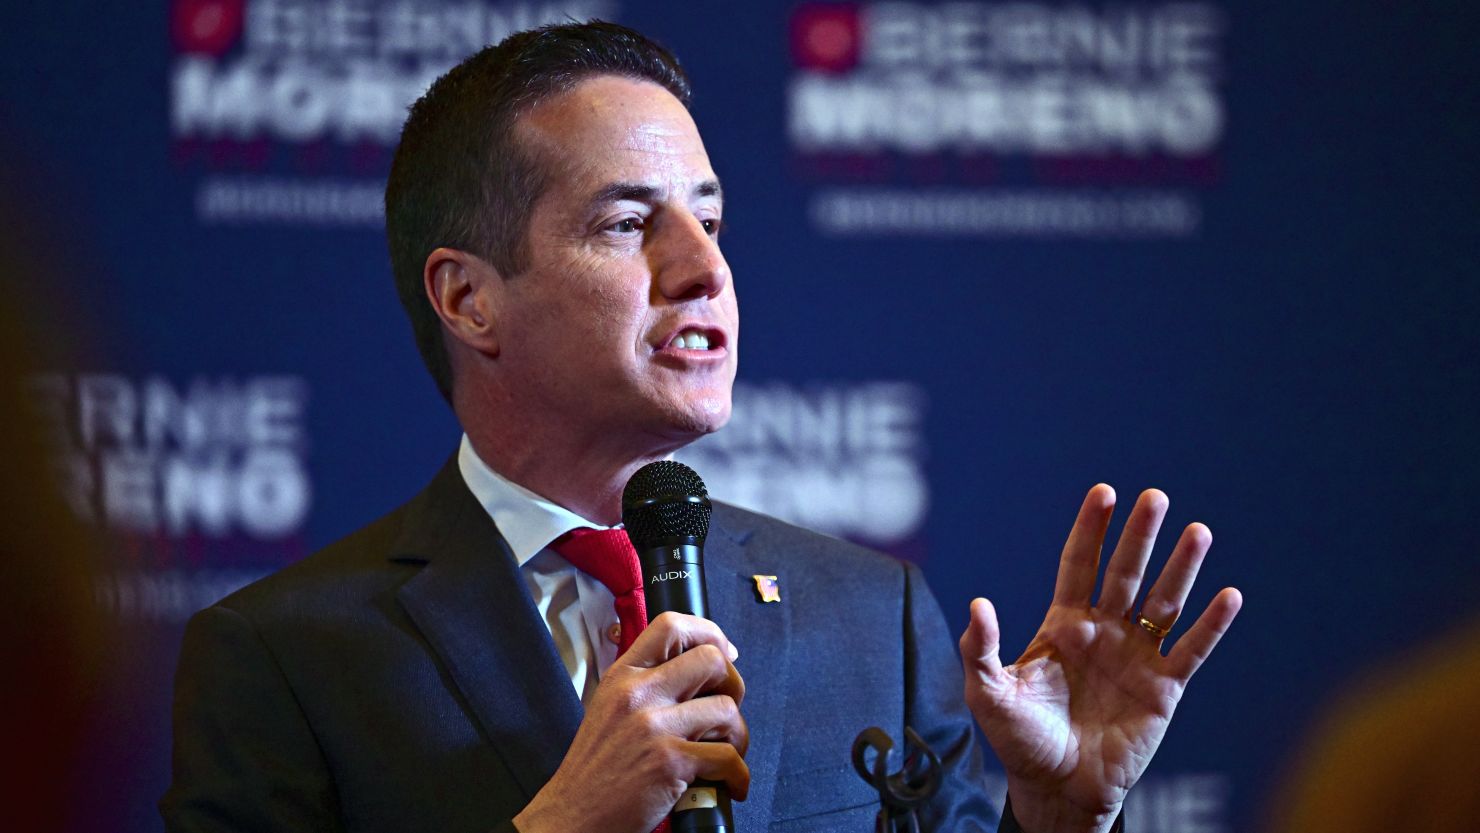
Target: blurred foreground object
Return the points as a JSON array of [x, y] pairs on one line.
[[1401, 755], [51, 633]]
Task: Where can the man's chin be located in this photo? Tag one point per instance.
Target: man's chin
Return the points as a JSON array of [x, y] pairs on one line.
[[705, 416]]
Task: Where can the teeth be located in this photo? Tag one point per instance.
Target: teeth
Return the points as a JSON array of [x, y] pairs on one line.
[[691, 340]]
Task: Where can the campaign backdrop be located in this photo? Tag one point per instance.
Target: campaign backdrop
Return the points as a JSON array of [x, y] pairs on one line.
[[988, 254]]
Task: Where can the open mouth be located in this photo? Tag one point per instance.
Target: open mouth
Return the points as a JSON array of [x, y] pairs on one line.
[[696, 338]]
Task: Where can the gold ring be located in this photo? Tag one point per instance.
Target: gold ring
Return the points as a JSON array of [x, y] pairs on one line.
[[1152, 628]]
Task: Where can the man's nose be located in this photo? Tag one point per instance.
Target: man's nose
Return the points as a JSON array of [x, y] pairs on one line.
[[688, 263]]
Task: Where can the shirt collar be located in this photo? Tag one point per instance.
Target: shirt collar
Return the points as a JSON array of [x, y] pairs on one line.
[[527, 521]]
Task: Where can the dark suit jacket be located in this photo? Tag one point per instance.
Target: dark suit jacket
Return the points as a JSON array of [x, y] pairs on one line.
[[401, 680]]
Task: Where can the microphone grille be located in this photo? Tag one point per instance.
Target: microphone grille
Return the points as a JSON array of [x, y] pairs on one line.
[[665, 500]]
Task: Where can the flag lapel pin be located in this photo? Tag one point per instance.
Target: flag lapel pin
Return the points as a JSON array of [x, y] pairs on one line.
[[766, 589]]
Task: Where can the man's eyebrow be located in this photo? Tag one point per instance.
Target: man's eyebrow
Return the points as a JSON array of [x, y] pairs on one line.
[[624, 191], [634, 192], [709, 188]]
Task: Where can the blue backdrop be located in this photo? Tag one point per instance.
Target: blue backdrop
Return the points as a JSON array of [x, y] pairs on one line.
[[988, 255]]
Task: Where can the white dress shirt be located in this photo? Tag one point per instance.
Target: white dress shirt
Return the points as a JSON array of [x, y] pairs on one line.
[[576, 608]]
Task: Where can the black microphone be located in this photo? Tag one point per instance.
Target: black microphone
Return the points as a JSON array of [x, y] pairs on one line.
[[665, 509]]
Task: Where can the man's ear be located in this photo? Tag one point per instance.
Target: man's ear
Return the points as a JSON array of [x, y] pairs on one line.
[[463, 289]]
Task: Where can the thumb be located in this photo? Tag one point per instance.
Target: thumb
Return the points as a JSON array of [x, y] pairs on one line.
[[981, 643]]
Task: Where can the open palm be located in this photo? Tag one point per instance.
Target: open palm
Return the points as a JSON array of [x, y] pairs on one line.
[[1077, 718]]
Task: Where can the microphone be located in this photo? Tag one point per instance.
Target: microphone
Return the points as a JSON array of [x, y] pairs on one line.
[[665, 510]]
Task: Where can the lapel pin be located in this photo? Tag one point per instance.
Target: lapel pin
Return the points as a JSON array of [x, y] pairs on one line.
[[766, 588]]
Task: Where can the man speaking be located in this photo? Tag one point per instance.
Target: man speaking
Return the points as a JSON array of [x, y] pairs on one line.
[[473, 661]]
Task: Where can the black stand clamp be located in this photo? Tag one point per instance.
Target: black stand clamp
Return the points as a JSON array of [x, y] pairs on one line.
[[916, 781]]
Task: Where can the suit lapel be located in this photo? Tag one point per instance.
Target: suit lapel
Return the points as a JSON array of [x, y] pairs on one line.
[[472, 606], [762, 634]]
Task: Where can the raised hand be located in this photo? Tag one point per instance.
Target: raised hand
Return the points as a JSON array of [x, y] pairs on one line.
[[1077, 718]]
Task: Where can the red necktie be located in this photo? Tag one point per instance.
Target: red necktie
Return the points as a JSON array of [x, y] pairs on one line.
[[607, 555]]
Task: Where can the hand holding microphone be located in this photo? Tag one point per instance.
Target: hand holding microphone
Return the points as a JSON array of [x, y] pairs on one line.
[[665, 510], [663, 728]]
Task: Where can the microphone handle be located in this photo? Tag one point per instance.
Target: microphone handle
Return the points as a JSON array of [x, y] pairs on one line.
[[673, 580]]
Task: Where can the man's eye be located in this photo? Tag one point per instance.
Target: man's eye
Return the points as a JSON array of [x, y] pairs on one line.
[[626, 226], [712, 227]]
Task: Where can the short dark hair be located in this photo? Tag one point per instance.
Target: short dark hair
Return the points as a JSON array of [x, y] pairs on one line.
[[460, 179]]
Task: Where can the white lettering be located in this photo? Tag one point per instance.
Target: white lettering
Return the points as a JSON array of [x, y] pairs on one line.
[[274, 410], [293, 100], [1180, 116], [1125, 40], [168, 418], [1083, 213], [128, 490], [341, 68], [843, 459], [273, 493], [217, 457], [170, 595], [197, 494], [209, 103], [1194, 803], [300, 103], [106, 409]]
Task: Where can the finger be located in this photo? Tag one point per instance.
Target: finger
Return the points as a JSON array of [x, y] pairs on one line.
[[1128, 564], [1164, 602], [702, 669], [981, 644], [717, 762], [1080, 561], [714, 719], [671, 634], [1192, 650]]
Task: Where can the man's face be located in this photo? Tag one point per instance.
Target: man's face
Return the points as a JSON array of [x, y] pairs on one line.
[[625, 323]]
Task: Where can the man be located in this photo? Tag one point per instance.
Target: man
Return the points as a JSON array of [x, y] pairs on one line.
[[553, 222]]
